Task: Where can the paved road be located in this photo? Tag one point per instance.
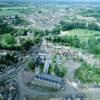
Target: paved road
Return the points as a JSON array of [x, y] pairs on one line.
[[72, 67]]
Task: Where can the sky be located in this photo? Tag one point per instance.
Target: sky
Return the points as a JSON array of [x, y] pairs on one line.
[[65, 0], [52, 0], [57, 0]]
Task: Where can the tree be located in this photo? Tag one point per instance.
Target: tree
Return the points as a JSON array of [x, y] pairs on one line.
[[9, 39], [88, 74], [94, 46], [5, 28], [60, 71], [32, 65], [26, 44], [56, 30]]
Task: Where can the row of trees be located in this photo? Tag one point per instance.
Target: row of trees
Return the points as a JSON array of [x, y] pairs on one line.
[[92, 44], [66, 40], [79, 24], [69, 25]]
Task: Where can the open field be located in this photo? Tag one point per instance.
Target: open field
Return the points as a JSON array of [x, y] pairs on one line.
[[9, 11], [81, 33], [6, 39]]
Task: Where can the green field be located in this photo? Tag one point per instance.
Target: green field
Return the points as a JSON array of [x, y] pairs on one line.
[[81, 33], [8, 11], [1, 38]]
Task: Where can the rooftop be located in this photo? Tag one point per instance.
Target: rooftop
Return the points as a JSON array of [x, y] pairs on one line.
[[50, 78]]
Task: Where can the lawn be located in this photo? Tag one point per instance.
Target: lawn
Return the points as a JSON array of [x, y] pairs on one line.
[[2, 39], [81, 33]]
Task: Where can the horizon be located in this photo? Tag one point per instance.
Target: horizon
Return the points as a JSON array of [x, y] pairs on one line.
[[49, 1]]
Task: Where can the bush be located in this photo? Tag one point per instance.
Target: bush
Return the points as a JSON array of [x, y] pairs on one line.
[[60, 71], [88, 74], [32, 65], [27, 44]]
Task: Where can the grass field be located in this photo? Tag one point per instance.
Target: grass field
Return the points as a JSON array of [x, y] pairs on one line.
[[8, 11], [3, 39], [2, 42], [81, 33]]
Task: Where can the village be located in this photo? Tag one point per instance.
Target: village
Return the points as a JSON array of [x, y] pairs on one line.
[[49, 52]]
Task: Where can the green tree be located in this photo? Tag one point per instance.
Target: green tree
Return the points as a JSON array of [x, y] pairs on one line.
[[60, 71], [88, 74], [31, 65], [9, 39]]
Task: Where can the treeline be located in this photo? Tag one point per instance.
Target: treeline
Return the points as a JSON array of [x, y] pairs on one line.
[[66, 40], [69, 25], [92, 44]]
